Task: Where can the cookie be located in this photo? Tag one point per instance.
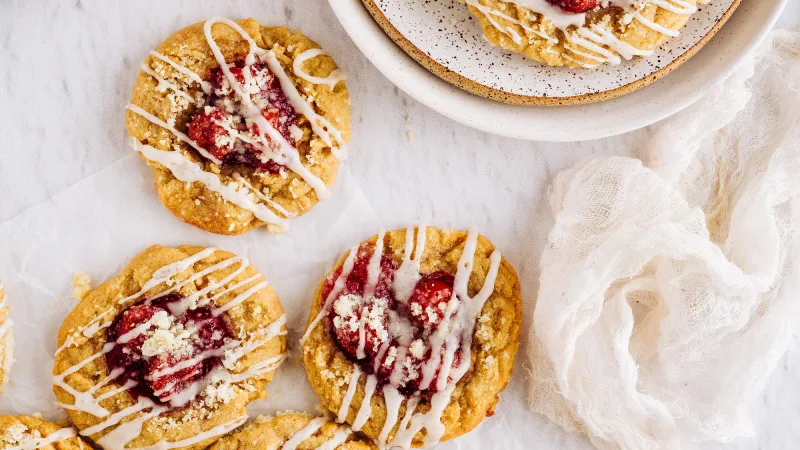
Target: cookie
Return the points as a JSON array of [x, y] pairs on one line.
[[6, 340], [32, 433], [244, 125], [293, 431], [581, 33], [170, 352], [411, 340]]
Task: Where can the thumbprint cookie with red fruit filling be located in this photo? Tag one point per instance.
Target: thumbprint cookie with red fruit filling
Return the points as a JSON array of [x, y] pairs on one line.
[[413, 334], [244, 125]]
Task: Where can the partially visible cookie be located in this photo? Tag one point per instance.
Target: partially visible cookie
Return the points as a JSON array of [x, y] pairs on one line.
[[29, 433], [293, 431], [581, 33], [6, 340], [413, 334], [170, 352], [244, 125]]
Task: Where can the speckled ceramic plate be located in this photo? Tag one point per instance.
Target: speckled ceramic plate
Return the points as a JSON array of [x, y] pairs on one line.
[[444, 37], [744, 31]]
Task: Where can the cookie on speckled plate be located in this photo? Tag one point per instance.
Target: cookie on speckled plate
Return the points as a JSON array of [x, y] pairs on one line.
[[581, 33], [244, 125], [412, 335], [294, 431], [170, 352], [28, 433], [6, 340]]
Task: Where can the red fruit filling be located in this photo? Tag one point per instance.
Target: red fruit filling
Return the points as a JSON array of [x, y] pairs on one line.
[[575, 6], [221, 128], [164, 354], [428, 302], [388, 337]]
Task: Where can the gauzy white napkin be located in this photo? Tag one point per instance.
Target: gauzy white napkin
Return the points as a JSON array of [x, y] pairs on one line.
[[669, 292]]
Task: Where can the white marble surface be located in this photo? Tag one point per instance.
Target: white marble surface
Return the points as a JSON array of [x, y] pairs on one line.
[[67, 68]]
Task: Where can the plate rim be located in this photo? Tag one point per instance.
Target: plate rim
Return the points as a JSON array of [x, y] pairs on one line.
[[474, 87], [519, 122]]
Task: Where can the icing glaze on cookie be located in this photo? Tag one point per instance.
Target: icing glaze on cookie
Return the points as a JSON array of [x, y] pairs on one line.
[[408, 334], [586, 44], [331, 80], [28, 440], [198, 351], [247, 117]]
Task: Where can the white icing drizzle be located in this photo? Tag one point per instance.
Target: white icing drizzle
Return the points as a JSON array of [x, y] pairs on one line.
[[407, 275], [365, 411], [461, 323], [125, 432], [240, 298], [260, 195], [373, 275], [285, 155], [114, 419], [219, 430], [189, 171], [181, 136], [119, 437], [164, 274], [676, 6], [457, 327], [162, 82], [204, 85], [393, 400], [654, 26], [348, 397], [605, 47], [411, 407], [269, 333], [305, 433], [509, 31], [331, 80], [603, 36], [337, 288], [321, 126], [84, 401], [338, 438], [553, 13], [374, 268], [52, 438], [257, 369]]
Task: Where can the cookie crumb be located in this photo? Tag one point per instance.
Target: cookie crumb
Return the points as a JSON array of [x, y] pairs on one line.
[[81, 285]]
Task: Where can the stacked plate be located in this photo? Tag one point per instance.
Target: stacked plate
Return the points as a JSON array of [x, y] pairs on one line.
[[435, 52]]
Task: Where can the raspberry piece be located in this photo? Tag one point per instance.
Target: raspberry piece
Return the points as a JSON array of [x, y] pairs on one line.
[[150, 359], [357, 279], [205, 129], [219, 126], [351, 314], [130, 319], [429, 299], [575, 6]]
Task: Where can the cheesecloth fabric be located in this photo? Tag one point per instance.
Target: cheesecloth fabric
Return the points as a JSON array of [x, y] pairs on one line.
[[669, 288]]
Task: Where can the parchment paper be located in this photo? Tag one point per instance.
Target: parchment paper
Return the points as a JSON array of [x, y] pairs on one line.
[[99, 224]]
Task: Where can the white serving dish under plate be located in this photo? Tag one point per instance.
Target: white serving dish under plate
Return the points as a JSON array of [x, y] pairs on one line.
[[733, 43]]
